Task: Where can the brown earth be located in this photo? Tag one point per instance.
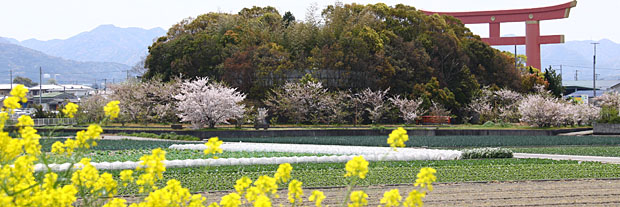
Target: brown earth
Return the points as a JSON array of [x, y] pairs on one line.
[[522, 193]]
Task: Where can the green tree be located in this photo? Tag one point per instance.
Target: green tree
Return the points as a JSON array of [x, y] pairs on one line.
[[555, 82], [24, 81]]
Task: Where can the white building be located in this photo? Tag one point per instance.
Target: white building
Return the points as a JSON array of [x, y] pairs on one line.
[[77, 90]]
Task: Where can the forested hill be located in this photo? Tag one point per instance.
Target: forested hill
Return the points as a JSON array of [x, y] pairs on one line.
[[351, 46]]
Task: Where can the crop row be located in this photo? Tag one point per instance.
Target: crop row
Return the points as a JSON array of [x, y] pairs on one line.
[[172, 154], [331, 174], [441, 141], [104, 144], [606, 151]]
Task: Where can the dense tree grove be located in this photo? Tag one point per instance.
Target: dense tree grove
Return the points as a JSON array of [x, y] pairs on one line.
[[348, 46]]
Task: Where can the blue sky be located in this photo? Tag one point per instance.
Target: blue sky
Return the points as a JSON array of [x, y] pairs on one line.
[[61, 19]]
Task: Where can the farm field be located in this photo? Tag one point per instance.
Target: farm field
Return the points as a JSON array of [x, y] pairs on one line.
[[605, 151], [442, 141]]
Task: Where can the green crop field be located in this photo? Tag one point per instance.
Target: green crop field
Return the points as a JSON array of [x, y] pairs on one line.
[[385, 173]]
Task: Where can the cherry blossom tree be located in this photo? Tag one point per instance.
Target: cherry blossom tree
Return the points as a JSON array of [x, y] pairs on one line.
[[409, 109], [299, 102], [375, 103], [203, 103]]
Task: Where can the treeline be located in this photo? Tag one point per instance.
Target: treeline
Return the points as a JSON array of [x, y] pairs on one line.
[[350, 46]]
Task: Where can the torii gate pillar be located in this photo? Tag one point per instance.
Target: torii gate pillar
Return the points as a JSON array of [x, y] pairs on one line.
[[531, 17]]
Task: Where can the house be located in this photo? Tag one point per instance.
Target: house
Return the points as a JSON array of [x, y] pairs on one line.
[[53, 100], [5, 89], [77, 90]]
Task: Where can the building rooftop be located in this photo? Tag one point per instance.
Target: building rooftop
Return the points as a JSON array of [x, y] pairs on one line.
[[600, 84]]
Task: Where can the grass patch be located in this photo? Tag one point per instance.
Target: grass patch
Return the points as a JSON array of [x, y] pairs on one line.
[[331, 174], [606, 151], [173, 154], [441, 141]]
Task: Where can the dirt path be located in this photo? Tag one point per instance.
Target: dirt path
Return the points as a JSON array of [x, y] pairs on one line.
[[523, 193]]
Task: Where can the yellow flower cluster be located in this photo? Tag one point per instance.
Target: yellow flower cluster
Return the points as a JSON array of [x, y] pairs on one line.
[[397, 138], [112, 109], [17, 94], [242, 184], [213, 146], [126, 177], [152, 168], [283, 173], [391, 198], [88, 178], [20, 91], [425, 178], [414, 199], [358, 199], [70, 109], [231, 200], [295, 192], [358, 166], [172, 195], [83, 140], [318, 197]]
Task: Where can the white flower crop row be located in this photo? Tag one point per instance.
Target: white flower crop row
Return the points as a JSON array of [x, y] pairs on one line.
[[342, 154], [415, 154]]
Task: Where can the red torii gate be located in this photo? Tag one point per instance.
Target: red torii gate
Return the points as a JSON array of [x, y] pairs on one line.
[[531, 17]]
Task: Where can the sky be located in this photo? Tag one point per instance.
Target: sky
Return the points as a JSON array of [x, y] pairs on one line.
[[61, 19]]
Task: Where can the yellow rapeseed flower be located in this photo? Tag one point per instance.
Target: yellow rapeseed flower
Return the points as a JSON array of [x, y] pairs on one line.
[[172, 195], [262, 201], [358, 199], [112, 109], [425, 178], [231, 200], [10, 148], [58, 148], [24, 121], [295, 192], [213, 204], [266, 184], [116, 202], [70, 109], [397, 138], [3, 117], [20, 92], [126, 177], [358, 166], [391, 198], [283, 173], [318, 197], [153, 168], [242, 184], [414, 199], [213, 146], [11, 103]]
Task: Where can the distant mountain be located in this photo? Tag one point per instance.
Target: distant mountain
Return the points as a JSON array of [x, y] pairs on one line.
[[106, 43], [25, 62], [576, 56], [8, 40]]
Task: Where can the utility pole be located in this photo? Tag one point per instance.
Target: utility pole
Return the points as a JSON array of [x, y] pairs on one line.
[[576, 72], [516, 57], [105, 85], [594, 69], [40, 84], [127, 74], [11, 72]]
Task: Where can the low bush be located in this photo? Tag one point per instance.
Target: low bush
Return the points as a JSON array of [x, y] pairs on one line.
[[480, 153]]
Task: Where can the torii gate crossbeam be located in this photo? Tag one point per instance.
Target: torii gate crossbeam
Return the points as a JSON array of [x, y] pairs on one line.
[[531, 17]]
